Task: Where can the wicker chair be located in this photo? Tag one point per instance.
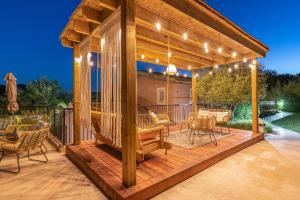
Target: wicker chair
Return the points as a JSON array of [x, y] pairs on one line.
[[203, 126], [160, 120], [28, 140]]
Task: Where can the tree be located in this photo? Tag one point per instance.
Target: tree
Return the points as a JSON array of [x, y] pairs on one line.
[[228, 88], [43, 92]]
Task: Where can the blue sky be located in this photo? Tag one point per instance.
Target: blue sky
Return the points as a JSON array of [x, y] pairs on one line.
[[30, 30]]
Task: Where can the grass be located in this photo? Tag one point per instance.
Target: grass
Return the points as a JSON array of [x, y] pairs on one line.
[[247, 125], [291, 122]]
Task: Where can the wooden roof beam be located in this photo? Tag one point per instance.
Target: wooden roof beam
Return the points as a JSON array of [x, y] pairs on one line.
[[179, 45], [220, 26], [67, 43], [81, 27], [109, 4], [146, 19], [74, 36]]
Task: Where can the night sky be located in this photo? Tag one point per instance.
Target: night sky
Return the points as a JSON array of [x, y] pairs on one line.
[[30, 30]]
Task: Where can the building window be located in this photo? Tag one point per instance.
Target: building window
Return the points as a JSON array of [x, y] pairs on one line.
[[161, 96]]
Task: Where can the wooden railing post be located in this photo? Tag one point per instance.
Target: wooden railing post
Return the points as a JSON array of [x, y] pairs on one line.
[[76, 96], [194, 91], [254, 99], [129, 102]]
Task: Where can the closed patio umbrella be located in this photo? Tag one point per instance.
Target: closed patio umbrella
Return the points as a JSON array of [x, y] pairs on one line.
[[11, 91]]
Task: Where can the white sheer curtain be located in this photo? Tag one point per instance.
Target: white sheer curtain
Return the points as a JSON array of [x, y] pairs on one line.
[[111, 79], [85, 78]]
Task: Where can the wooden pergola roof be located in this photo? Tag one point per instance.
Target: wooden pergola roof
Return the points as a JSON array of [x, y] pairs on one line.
[[199, 21]]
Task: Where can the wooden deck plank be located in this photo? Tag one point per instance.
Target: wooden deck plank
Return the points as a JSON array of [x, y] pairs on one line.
[[159, 171]]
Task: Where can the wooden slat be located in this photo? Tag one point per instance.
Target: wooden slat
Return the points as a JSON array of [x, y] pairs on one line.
[[159, 171]]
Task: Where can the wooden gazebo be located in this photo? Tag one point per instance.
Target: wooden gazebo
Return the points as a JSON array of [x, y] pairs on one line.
[[197, 35]]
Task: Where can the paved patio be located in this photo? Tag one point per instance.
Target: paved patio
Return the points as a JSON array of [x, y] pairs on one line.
[[267, 170]]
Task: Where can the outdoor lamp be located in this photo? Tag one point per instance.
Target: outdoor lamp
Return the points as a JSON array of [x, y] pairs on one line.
[[171, 69]]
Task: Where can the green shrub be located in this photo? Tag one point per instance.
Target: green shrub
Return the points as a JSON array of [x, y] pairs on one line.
[[247, 125]]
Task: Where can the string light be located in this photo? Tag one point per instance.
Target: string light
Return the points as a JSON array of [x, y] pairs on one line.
[[229, 70], [236, 66], [165, 73], [177, 74], [220, 50], [169, 54], [184, 75], [210, 73], [91, 63], [89, 55], [205, 45], [189, 67], [197, 75], [158, 26], [216, 66], [245, 60], [185, 36], [254, 62], [150, 70], [157, 60], [206, 50], [78, 60], [251, 66], [143, 56], [234, 54], [102, 42]]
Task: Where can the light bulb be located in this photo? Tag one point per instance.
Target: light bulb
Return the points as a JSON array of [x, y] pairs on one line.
[[234, 54], [184, 75], [216, 66], [169, 54], [157, 60], [245, 60], [185, 36], [205, 45], [220, 50], [143, 56], [150, 70], [210, 73], [254, 62], [206, 50], [229, 70], [78, 60], [197, 75], [158, 26], [165, 73], [89, 55], [189, 67], [236, 66], [91, 63]]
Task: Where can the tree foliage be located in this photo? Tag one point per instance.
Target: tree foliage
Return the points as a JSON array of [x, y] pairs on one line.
[[225, 88], [43, 92]]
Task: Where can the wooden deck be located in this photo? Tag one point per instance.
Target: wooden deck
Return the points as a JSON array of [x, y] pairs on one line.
[[159, 171]]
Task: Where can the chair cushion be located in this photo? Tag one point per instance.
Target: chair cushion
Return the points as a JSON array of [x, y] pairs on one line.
[[203, 113], [221, 115]]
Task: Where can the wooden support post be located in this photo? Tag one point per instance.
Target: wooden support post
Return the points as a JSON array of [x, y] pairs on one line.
[[129, 93], [254, 99], [194, 91], [76, 96]]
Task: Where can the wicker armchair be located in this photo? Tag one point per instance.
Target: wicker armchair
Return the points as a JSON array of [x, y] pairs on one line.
[[201, 126], [161, 120], [26, 142]]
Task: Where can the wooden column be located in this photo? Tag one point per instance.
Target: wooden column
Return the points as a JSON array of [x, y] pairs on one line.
[[76, 96], [129, 93], [254, 99], [194, 91]]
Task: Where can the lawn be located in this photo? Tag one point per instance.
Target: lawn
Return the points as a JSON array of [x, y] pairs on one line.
[[291, 122]]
